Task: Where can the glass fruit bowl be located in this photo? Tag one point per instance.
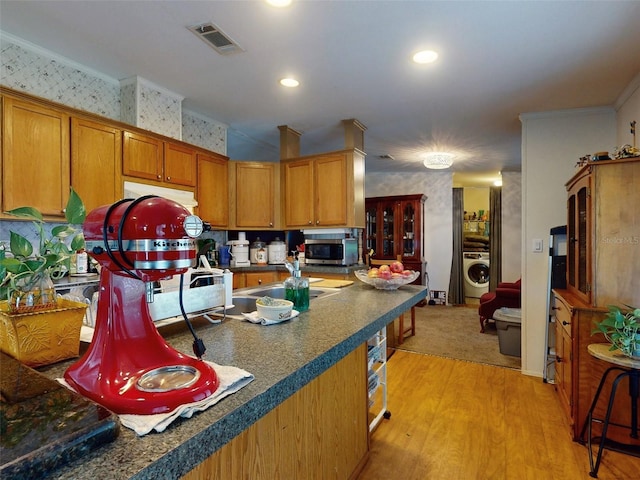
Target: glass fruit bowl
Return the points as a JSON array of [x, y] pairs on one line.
[[382, 284]]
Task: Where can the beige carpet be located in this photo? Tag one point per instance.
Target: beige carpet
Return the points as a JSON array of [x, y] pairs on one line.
[[454, 332]]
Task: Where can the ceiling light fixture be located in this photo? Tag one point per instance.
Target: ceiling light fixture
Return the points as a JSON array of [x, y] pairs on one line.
[[289, 82], [279, 3], [425, 56], [438, 160], [498, 182]]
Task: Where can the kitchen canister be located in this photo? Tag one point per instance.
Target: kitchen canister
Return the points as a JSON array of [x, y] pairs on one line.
[[277, 252], [258, 253]]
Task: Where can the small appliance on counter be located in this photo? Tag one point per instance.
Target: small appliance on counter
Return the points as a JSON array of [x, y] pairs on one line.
[[240, 251], [258, 252], [331, 251], [129, 367], [277, 252]]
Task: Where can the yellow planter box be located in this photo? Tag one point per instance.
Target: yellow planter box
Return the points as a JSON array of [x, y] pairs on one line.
[[42, 338]]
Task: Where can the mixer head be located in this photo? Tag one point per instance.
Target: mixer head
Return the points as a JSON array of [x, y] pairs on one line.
[[150, 238]]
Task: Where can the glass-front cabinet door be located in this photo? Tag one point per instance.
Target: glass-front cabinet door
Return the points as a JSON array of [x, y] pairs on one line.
[[371, 228], [578, 247], [409, 234], [387, 247]]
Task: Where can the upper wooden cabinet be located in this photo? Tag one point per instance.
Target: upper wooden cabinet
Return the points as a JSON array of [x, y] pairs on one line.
[[153, 159], [35, 157], [254, 195], [212, 192], [602, 233], [325, 190], [96, 151]]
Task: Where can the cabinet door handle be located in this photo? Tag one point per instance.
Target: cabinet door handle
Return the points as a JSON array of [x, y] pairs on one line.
[[564, 322], [259, 281], [555, 308], [169, 179], [159, 177], [558, 359]]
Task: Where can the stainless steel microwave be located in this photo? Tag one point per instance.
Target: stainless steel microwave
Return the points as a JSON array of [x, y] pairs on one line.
[[340, 251]]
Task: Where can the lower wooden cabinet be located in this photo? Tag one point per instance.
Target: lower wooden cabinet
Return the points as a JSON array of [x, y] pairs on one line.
[[578, 373], [321, 431]]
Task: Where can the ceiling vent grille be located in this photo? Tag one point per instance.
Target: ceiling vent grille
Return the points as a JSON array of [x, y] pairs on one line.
[[216, 39]]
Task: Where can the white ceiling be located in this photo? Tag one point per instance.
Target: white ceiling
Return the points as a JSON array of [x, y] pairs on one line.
[[353, 59]]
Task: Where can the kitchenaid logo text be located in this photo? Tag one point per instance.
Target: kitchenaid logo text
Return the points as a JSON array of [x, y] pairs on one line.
[[621, 240], [172, 243]]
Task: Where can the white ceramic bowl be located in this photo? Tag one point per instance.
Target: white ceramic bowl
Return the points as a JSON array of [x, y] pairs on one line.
[[277, 310]]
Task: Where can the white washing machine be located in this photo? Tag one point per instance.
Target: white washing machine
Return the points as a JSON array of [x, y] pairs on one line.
[[475, 266]]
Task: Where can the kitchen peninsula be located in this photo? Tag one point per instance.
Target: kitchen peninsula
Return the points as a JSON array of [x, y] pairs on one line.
[[304, 415]]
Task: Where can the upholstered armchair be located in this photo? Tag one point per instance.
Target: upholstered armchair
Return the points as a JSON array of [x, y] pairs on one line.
[[505, 295]]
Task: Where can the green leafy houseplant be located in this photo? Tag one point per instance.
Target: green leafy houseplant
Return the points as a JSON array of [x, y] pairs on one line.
[[622, 328], [27, 271]]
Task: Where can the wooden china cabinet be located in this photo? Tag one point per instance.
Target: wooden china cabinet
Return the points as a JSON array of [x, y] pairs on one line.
[[603, 268], [394, 226]]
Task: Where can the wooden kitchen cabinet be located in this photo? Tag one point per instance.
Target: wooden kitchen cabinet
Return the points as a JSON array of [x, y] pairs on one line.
[[151, 158], [578, 373], [325, 190], [212, 192], [394, 227], [602, 232], [96, 153], [254, 195], [35, 157]]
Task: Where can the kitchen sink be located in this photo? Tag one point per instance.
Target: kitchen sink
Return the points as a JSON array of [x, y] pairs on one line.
[[277, 291], [244, 301]]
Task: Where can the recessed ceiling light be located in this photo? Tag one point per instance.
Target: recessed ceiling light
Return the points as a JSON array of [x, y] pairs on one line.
[[279, 3], [425, 56], [289, 82], [438, 160]]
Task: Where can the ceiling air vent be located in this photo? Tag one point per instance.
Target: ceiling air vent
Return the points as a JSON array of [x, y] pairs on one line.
[[216, 39]]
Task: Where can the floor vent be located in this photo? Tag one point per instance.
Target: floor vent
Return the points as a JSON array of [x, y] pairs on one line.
[[216, 39]]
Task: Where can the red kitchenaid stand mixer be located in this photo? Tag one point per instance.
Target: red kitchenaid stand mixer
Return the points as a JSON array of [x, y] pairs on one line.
[[129, 368]]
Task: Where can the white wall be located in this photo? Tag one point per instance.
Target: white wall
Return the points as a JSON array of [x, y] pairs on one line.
[[511, 226], [552, 143], [628, 109], [438, 230]]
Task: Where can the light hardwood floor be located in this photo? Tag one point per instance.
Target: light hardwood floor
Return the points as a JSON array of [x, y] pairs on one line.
[[457, 420]]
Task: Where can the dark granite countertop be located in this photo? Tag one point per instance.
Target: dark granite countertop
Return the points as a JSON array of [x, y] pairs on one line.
[[282, 357]]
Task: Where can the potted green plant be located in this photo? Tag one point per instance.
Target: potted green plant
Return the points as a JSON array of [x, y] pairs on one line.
[[621, 327], [27, 272]]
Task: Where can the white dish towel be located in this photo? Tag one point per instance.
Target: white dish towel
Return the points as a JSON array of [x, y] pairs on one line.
[[231, 380]]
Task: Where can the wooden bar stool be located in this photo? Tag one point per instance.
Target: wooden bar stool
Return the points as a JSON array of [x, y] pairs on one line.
[[402, 330]]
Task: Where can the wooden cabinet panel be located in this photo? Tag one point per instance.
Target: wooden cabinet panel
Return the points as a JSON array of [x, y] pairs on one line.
[[602, 233], [253, 279], [325, 190], [96, 153], [179, 164], [321, 431], [212, 190], [299, 194], [577, 372], [35, 151], [331, 191], [253, 195], [142, 156]]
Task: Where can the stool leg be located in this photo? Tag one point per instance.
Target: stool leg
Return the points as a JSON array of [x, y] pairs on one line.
[[605, 426], [634, 393], [401, 328], [595, 400]]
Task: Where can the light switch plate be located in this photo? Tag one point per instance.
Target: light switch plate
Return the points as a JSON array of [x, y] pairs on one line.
[[537, 245]]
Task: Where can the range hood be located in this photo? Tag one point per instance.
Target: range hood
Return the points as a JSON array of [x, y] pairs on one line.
[[183, 197]]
